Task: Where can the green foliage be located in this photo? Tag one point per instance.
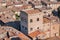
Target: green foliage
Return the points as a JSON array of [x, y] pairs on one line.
[[17, 16]]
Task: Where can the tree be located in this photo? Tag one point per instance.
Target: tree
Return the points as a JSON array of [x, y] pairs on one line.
[[17, 16]]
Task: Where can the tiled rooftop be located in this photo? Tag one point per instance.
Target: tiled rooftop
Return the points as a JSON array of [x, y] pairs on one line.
[[46, 20], [34, 34], [8, 11], [53, 38], [32, 11], [50, 2], [12, 32], [6, 17]]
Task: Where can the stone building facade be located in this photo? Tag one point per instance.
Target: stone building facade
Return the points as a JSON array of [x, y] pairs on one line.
[[31, 20], [34, 24]]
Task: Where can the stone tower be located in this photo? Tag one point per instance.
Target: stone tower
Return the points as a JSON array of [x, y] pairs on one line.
[[31, 20]]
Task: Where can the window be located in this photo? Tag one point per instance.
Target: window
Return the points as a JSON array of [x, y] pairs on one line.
[[31, 20], [31, 29], [37, 19], [48, 24], [56, 34], [48, 15], [45, 12], [37, 27], [22, 2], [7, 17], [0, 16]]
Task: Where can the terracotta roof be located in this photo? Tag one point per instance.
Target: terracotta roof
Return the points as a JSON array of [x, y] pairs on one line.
[[9, 3], [53, 2], [36, 3], [19, 8], [54, 38], [23, 37], [7, 16], [50, 2], [34, 34], [32, 11], [46, 20], [27, 5], [13, 32]]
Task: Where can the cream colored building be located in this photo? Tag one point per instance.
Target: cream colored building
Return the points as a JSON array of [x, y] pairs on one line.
[[31, 20], [52, 3], [38, 26], [51, 27]]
